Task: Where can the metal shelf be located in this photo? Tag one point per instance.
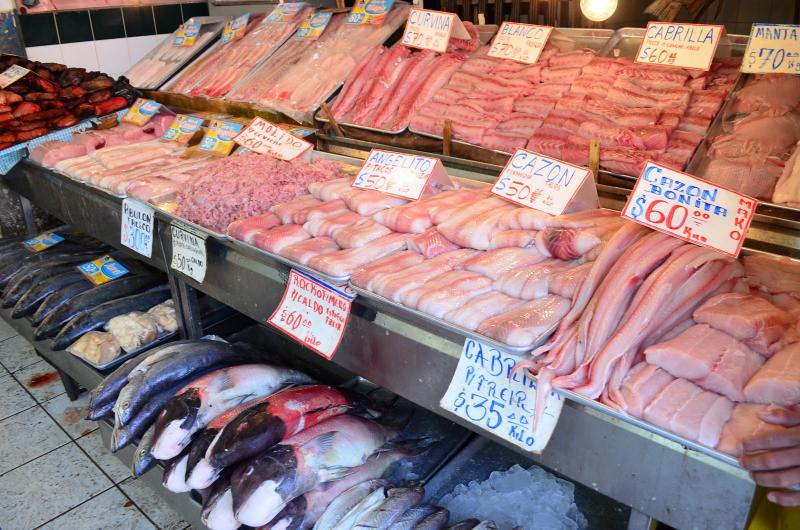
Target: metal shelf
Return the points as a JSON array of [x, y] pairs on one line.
[[646, 471]]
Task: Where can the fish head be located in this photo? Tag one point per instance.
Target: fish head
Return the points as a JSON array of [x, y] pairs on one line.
[[175, 424], [264, 483], [218, 512], [142, 461], [291, 517], [252, 431], [174, 475], [197, 451]]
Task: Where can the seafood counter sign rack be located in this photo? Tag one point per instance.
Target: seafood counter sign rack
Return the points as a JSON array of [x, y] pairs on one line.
[[681, 45], [772, 49], [486, 392], [691, 209], [431, 30], [520, 42], [406, 176], [313, 313], [266, 138], [545, 184]]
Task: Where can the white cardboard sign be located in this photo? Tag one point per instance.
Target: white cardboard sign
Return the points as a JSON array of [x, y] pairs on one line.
[[401, 175], [681, 45], [484, 392], [313, 313], [12, 74], [546, 184], [431, 30], [772, 49], [267, 138], [691, 209], [188, 254], [520, 42], [136, 228]]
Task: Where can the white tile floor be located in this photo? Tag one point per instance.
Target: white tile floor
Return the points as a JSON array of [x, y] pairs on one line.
[[55, 472]]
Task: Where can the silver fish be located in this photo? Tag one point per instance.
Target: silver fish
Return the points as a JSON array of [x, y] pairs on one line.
[[466, 524], [368, 503], [412, 516], [397, 501], [486, 525], [345, 502], [435, 521], [143, 459]]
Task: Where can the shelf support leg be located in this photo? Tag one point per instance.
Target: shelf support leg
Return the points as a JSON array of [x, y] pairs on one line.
[[71, 386], [186, 307]]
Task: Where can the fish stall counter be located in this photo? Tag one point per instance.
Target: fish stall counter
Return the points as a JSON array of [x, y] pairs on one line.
[[632, 463]]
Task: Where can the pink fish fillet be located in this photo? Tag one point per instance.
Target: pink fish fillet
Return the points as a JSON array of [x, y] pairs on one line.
[[360, 233], [276, 239], [460, 213], [345, 262], [303, 251], [431, 243], [391, 68], [495, 263], [362, 75], [532, 282], [567, 282], [327, 226], [513, 238], [471, 314], [331, 189], [476, 232], [525, 325], [778, 381], [774, 274], [411, 297], [745, 423], [316, 212], [363, 275], [394, 284], [642, 384], [423, 90], [246, 229], [287, 212], [418, 67], [369, 202], [442, 300]]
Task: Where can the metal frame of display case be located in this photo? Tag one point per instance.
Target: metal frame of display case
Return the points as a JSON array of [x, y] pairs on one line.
[[653, 474]]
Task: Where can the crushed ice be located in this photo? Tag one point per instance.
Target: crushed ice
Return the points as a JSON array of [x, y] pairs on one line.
[[529, 499]]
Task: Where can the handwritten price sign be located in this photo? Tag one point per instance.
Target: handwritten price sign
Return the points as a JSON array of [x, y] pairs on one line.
[[267, 138], [691, 209], [520, 42], [684, 45], [484, 393], [12, 74], [313, 313], [431, 30], [545, 184], [188, 253], [772, 48], [136, 228], [401, 175]]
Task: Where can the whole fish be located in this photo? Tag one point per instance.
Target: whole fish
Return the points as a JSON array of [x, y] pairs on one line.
[[341, 505], [187, 358], [9, 244], [16, 261], [105, 411], [412, 516], [382, 516], [205, 398], [435, 521], [98, 316], [174, 473], [143, 459], [327, 451], [217, 511], [368, 503], [486, 525], [258, 428], [35, 273], [466, 524], [58, 298], [125, 286], [31, 300], [123, 435]]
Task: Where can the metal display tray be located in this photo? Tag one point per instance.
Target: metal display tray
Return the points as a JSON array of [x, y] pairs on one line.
[[124, 356], [320, 116]]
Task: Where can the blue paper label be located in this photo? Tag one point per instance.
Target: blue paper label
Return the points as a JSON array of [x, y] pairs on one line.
[[43, 241], [103, 270]]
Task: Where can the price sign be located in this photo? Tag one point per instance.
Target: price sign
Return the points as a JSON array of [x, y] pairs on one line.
[[772, 49], [691, 209], [267, 138], [136, 228], [285, 12], [431, 30], [219, 137], [401, 175], [313, 26], [103, 270], [484, 392], [371, 12], [188, 253], [12, 74], [235, 28], [186, 35], [43, 241], [546, 184], [141, 111], [182, 129], [683, 45], [313, 313], [520, 42]]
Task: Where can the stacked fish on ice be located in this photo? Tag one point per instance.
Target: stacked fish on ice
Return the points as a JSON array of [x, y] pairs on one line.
[[472, 259], [568, 98], [315, 76], [216, 73], [762, 130], [681, 336]]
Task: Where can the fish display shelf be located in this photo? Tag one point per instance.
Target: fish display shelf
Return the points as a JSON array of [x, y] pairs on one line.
[[660, 475]]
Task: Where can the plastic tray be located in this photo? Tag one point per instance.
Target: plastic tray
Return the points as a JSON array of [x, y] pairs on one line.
[[160, 339]]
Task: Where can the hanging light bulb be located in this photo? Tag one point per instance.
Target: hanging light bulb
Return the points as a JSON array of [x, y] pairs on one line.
[[598, 10]]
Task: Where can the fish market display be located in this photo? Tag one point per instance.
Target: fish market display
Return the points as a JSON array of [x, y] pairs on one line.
[[572, 96], [754, 154], [166, 58], [246, 185], [215, 73], [316, 75], [54, 96]]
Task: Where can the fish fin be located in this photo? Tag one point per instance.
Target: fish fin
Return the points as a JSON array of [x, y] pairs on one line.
[[331, 473], [414, 446], [322, 443], [225, 381]]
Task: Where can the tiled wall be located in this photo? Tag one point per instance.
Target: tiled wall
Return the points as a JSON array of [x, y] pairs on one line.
[[109, 40]]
